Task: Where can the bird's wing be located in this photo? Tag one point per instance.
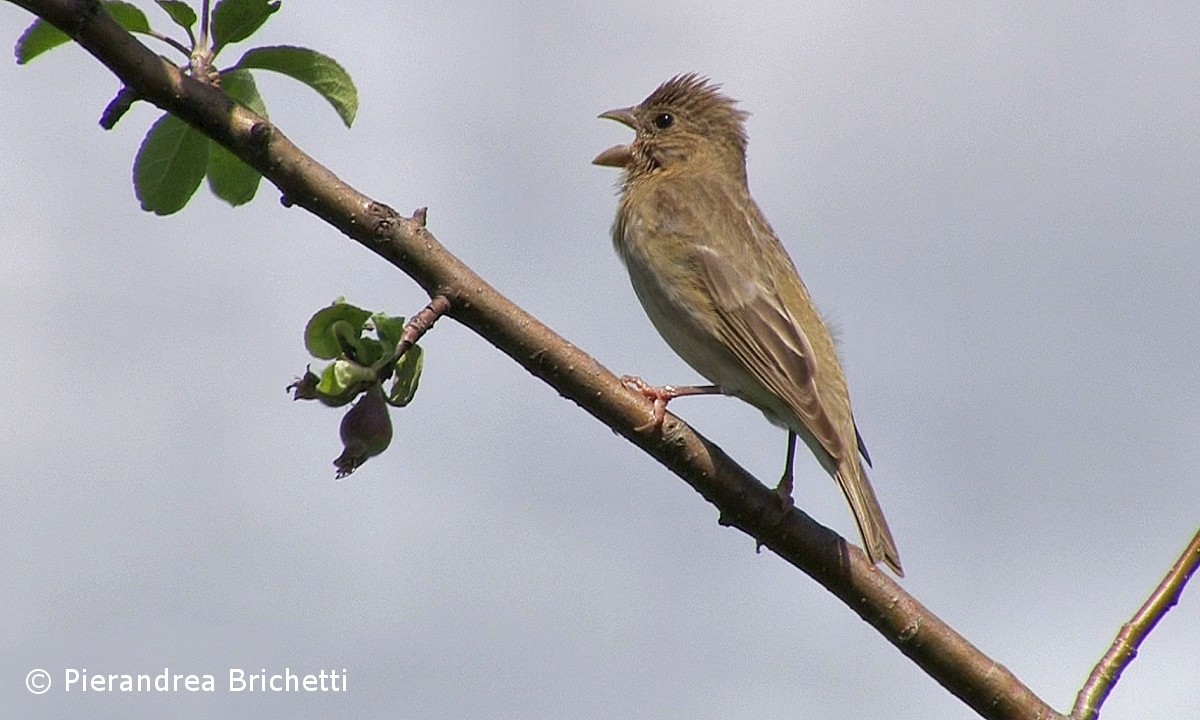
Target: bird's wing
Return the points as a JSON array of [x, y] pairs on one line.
[[760, 332], [862, 447]]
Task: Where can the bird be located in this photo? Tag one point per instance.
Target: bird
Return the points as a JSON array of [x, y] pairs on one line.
[[718, 285]]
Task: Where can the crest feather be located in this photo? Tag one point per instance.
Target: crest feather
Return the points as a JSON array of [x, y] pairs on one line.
[[696, 96]]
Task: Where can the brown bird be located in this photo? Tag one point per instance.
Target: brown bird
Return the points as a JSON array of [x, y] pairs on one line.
[[722, 291]]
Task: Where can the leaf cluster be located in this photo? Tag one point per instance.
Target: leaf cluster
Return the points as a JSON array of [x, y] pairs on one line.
[[369, 359], [174, 157]]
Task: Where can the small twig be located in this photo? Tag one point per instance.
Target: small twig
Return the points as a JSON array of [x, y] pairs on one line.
[[414, 330], [170, 41], [203, 40], [1125, 648], [421, 322]]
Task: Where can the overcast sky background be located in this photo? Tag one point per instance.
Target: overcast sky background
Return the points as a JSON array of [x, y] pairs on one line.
[[999, 207]]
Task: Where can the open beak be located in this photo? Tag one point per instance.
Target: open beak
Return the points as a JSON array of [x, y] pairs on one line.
[[617, 156], [621, 115]]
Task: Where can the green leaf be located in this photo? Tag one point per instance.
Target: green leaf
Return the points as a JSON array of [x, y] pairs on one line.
[[230, 178], [169, 166], [42, 36], [388, 329], [236, 20], [350, 374], [309, 388], [320, 72], [128, 16], [320, 335], [347, 338], [360, 349], [37, 39], [371, 352], [408, 376], [340, 380], [180, 12], [240, 85], [328, 385]]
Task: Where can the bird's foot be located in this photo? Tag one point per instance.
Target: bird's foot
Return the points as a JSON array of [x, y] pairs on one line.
[[658, 395], [784, 491]]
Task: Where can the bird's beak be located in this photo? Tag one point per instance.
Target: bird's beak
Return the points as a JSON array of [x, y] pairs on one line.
[[621, 115], [618, 155]]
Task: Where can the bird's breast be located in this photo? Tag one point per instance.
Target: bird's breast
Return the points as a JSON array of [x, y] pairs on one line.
[[660, 257]]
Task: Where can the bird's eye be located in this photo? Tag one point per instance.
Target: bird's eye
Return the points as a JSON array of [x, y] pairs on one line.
[[664, 120]]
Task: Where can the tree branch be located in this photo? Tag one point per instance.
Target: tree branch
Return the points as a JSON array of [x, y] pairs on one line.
[[423, 321], [744, 502], [1125, 648]]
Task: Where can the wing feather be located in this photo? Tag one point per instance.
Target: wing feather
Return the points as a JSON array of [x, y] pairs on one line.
[[764, 336]]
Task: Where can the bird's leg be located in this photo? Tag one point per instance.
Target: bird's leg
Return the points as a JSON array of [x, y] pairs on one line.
[[784, 488], [660, 395]]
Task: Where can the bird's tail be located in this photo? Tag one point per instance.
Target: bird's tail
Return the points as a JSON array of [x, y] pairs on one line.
[[868, 515]]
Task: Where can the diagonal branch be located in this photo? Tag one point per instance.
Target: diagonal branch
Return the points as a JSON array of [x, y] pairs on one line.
[[1125, 648], [423, 321], [744, 502]]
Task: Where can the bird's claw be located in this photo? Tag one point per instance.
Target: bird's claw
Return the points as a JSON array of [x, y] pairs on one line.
[[784, 491], [658, 396]]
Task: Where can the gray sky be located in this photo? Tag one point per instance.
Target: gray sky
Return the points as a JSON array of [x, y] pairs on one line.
[[996, 206]]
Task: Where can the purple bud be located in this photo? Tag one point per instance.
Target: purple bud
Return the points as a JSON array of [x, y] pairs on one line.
[[366, 431]]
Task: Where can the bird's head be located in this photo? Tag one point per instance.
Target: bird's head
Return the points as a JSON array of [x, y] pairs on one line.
[[685, 121]]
